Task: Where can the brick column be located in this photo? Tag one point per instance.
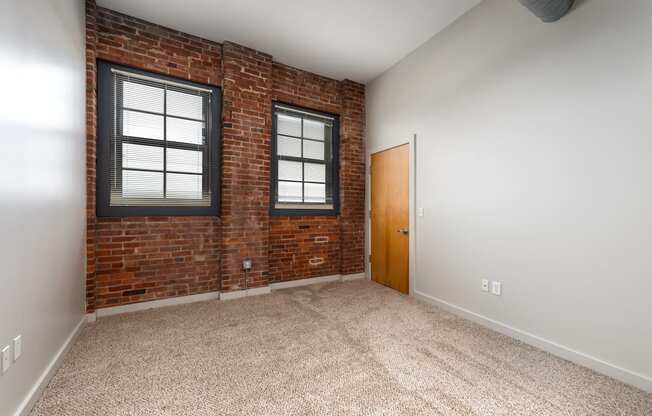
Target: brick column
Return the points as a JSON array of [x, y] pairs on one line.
[[352, 177], [91, 128], [245, 165]]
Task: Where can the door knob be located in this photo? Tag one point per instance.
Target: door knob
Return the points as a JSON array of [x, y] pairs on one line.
[[404, 231]]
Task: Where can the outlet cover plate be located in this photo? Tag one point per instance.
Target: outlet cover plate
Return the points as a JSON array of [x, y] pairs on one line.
[[18, 347], [496, 288], [6, 360], [485, 285]]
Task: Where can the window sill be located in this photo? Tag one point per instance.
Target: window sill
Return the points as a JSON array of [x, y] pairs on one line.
[[132, 211], [296, 210]]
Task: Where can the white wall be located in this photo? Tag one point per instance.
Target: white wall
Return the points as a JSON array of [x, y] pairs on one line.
[[42, 184], [534, 167]]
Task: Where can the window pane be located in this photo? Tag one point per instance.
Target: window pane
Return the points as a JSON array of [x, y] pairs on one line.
[[314, 172], [185, 105], [313, 150], [288, 125], [185, 131], [184, 160], [313, 129], [289, 191], [142, 97], [136, 184], [314, 193], [289, 170], [182, 186], [136, 124], [142, 157], [287, 146]]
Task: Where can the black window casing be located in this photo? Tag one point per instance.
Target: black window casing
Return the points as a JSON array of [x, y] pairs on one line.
[[335, 169], [103, 159]]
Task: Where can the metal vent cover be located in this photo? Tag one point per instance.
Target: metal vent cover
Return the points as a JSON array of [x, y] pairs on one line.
[[548, 10]]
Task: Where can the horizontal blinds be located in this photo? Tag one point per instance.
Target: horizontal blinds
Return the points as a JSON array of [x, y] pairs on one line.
[[160, 147]]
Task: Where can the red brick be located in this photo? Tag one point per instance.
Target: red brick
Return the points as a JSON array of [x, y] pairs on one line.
[[176, 256]]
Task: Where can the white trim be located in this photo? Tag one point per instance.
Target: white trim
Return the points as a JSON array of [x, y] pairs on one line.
[[354, 276], [308, 113], [159, 303], [305, 282], [91, 317], [35, 393], [411, 142], [237, 294], [633, 378], [159, 80], [412, 207], [264, 290]]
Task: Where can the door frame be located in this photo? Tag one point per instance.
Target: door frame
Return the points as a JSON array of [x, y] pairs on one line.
[[412, 241]]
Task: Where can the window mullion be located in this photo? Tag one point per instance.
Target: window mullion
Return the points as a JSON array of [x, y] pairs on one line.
[[303, 168], [116, 140], [165, 142]]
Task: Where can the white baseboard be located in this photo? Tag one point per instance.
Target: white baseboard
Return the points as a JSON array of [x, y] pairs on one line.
[[36, 391], [317, 280], [626, 376], [305, 282], [237, 294], [264, 290], [354, 276], [159, 303]]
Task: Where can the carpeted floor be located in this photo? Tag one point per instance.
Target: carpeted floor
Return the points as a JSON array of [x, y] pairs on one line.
[[352, 348]]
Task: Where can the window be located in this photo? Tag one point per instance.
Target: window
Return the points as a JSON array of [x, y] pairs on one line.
[[158, 146], [305, 168]]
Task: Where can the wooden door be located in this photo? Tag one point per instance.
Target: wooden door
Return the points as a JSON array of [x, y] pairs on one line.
[[390, 218]]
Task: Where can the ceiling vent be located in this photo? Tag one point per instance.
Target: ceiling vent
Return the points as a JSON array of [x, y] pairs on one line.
[[548, 10]]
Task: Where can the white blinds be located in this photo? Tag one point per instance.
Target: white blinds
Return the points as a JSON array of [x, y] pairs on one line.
[[160, 147]]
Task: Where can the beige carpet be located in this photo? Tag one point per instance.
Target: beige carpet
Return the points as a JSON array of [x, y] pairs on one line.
[[337, 349]]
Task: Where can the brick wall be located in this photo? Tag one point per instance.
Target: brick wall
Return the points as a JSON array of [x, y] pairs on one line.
[[294, 86], [304, 246], [126, 40], [246, 163], [142, 258], [352, 177]]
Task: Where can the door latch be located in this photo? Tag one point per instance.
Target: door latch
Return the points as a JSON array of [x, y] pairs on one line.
[[404, 231]]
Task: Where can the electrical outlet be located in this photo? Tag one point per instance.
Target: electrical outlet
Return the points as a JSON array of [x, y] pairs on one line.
[[485, 285], [420, 212], [496, 288], [6, 360], [247, 264], [18, 347]]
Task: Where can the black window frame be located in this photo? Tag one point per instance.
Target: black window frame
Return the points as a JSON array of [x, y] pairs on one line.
[[211, 162], [334, 173]]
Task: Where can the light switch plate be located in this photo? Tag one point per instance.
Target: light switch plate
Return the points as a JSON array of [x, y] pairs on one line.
[[18, 347], [420, 212], [6, 359], [496, 288]]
